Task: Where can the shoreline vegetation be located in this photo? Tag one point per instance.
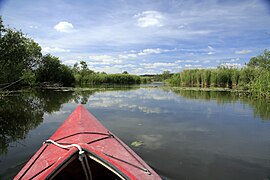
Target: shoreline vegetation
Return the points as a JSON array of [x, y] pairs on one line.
[[22, 64], [254, 78]]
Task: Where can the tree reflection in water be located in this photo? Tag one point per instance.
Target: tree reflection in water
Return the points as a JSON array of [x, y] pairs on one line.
[[260, 106], [21, 112]]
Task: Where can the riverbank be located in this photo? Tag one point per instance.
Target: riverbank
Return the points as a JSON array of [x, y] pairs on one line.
[[241, 92], [238, 92]]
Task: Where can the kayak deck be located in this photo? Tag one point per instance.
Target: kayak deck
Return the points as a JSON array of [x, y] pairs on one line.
[[82, 136]]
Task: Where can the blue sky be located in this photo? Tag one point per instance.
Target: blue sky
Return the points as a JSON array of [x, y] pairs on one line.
[[144, 36]]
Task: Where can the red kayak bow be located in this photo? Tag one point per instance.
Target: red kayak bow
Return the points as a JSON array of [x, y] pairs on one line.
[[82, 148]]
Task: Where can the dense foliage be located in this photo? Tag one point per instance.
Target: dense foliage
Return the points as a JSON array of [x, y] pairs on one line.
[[84, 75], [255, 77], [51, 70], [18, 54], [21, 61]]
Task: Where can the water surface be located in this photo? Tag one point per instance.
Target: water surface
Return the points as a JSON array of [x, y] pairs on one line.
[[185, 134]]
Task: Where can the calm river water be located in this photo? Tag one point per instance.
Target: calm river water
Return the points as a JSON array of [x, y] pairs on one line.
[[185, 134]]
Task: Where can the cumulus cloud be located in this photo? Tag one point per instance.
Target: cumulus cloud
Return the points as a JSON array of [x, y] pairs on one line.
[[64, 26], [149, 51], [104, 59], [157, 65], [144, 52], [113, 69], [127, 56], [187, 61], [70, 61], [100, 57], [227, 60], [149, 18], [192, 66], [245, 51], [54, 50]]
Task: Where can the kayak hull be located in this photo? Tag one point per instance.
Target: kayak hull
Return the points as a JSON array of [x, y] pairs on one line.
[[82, 132]]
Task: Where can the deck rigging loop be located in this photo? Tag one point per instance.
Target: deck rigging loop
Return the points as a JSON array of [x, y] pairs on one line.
[[82, 157], [65, 146]]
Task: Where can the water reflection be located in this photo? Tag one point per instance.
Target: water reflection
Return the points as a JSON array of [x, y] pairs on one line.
[[260, 106], [22, 112], [204, 132]]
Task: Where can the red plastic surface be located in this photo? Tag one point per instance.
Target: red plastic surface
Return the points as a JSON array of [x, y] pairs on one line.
[[84, 129]]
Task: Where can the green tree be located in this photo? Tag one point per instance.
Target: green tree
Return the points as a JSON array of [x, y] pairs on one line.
[[76, 73], [18, 54], [262, 60], [66, 75], [166, 75], [51, 70]]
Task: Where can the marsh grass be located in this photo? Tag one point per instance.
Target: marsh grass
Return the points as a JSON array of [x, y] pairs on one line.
[[255, 81]]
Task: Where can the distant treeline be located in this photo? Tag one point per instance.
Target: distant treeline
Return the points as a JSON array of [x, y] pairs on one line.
[[83, 75], [22, 63], [254, 77]]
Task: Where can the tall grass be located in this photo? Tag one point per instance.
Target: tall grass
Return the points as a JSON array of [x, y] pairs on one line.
[[255, 80], [98, 78]]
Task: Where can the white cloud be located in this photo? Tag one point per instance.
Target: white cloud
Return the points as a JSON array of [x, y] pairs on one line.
[[33, 27], [149, 51], [211, 48], [144, 52], [193, 66], [127, 56], [103, 59], [100, 57], [149, 18], [71, 62], [227, 60], [245, 51], [235, 59], [64, 26], [206, 61], [187, 61], [181, 27], [111, 69], [54, 50], [157, 65]]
